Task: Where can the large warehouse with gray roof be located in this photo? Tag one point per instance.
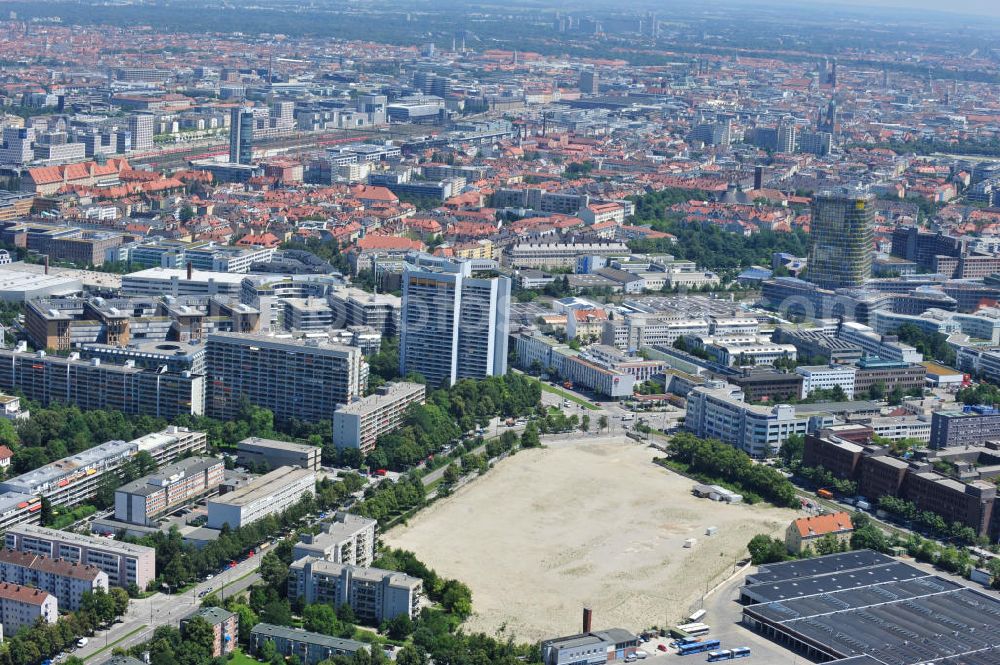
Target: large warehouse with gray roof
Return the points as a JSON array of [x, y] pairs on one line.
[[865, 608]]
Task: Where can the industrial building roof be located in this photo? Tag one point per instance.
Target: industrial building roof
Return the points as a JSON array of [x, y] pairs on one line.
[[897, 615], [848, 579], [824, 565]]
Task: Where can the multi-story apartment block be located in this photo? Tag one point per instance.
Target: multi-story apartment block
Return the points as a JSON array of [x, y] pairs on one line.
[[303, 380], [454, 322], [92, 384], [23, 607], [66, 580], [360, 308], [347, 539], [717, 411], [256, 451], [75, 479], [826, 377], [374, 594], [271, 493], [142, 500], [124, 563], [225, 628], [360, 423], [309, 648]]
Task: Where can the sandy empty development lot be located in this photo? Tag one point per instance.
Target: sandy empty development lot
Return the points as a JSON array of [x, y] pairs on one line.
[[550, 530]]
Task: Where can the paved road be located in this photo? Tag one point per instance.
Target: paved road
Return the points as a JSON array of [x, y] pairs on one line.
[[161, 609]]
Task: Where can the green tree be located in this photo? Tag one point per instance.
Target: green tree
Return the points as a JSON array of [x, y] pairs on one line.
[[8, 435], [267, 652], [529, 437], [321, 618], [399, 627], [277, 612], [602, 423], [457, 599], [120, 598], [411, 655], [765, 549], [828, 544], [273, 571], [792, 449], [105, 495], [585, 423], [45, 513], [869, 537], [199, 638]]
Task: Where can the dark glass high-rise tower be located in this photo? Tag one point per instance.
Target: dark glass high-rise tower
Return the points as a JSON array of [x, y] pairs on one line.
[[842, 235], [241, 126]]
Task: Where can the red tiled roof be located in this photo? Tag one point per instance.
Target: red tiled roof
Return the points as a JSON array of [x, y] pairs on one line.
[[374, 242], [820, 525], [23, 594]]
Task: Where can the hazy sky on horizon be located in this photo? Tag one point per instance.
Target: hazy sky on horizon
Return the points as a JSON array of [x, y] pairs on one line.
[[966, 7]]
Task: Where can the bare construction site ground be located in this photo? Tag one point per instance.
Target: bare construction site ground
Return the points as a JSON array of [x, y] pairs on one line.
[[578, 523]]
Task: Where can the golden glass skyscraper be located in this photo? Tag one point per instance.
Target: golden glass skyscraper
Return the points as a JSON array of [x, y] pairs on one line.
[[842, 239]]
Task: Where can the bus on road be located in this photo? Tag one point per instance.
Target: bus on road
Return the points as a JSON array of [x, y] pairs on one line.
[[698, 647]]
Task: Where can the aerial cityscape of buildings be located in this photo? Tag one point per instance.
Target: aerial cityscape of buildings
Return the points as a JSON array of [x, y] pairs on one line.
[[274, 279]]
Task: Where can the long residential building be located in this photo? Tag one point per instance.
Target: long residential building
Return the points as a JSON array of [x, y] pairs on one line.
[[717, 411], [374, 594], [142, 500], [347, 538], [559, 254], [301, 380], [66, 580], [360, 423], [272, 493], [24, 606], [310, 648], [75, 479], [92, 384], [124, 563]]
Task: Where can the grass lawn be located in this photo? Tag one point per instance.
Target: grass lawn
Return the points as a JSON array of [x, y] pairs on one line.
[[240, 658], [567, 395]]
